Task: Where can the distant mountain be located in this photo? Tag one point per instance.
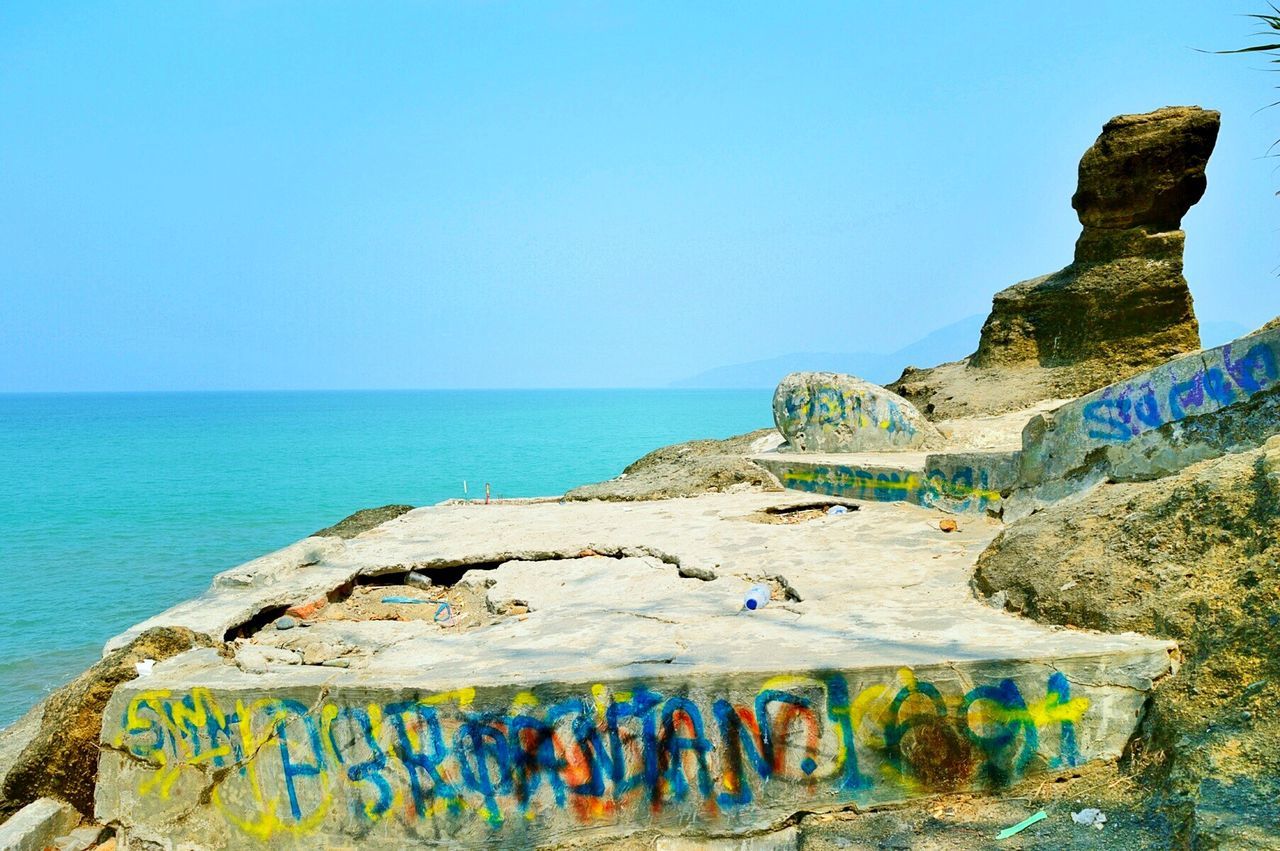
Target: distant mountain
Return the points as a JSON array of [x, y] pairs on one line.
[[948, 343], [951, 342]]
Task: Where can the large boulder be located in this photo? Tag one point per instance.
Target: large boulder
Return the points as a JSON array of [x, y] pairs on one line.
[[830, 412], [1122, 306]]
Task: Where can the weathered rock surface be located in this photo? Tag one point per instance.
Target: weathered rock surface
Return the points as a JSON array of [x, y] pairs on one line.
[[362, 521], [61, 758], [1123, 304], [830, 412], [1193, 557], [1146, 170], [690, 469]]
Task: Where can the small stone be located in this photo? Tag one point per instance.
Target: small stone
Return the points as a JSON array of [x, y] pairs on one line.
[[999, 600], [286, 622], [948, 525], [518, 610]]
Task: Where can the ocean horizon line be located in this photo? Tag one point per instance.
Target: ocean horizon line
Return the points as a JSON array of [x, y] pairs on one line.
[[230, 391]]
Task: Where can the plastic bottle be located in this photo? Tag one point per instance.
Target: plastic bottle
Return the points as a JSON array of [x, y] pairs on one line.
[[757, 597]]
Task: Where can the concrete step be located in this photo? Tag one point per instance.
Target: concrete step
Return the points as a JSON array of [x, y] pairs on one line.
[[958, 482], [625, 696]]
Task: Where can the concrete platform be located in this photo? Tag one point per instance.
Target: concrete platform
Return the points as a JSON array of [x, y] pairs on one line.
[[631, 693]]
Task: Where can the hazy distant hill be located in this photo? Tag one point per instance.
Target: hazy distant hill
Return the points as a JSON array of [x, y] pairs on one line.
[[948, 343]]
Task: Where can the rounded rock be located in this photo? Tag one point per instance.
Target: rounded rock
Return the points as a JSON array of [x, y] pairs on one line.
[[831, 412]]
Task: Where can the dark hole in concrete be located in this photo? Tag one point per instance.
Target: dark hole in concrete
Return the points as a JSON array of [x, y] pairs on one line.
[[819, 505], [797, 512], [255, 623], [446, 577]]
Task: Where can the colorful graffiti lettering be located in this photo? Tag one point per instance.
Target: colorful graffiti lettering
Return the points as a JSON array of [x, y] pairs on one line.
[[964, 489], [825, 407], [1126, 410], [447, 764]]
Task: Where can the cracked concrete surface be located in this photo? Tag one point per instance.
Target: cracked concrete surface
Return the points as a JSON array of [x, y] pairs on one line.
[[629, 696]]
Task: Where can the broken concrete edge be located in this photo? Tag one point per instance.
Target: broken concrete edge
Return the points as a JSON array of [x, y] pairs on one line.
[[841, 768], [248, 596], [36, 826]]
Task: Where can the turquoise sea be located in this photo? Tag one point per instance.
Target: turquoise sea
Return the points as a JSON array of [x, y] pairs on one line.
[[116, 506]]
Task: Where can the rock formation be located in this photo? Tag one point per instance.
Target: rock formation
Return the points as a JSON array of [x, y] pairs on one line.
[[690, 469], [1123, 305], [830, 412]]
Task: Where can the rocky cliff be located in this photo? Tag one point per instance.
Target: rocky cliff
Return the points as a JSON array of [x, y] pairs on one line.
[[1122, 305]]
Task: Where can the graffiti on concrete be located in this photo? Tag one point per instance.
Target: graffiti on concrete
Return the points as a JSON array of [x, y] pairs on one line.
[[962, 489], [1127, 409], [448, 764], [827, 407]]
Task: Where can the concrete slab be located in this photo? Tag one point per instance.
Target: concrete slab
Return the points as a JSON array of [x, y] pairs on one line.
[[633, 693], [37, 825]]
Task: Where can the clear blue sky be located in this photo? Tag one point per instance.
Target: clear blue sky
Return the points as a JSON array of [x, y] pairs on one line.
[[207, 195]]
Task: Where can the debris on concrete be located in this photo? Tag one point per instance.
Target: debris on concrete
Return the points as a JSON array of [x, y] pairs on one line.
[[757, 597], [1090, 817], [1022, 825], [302, 611], [418, 579], [629, 630], [947, 524], [144, 667]]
